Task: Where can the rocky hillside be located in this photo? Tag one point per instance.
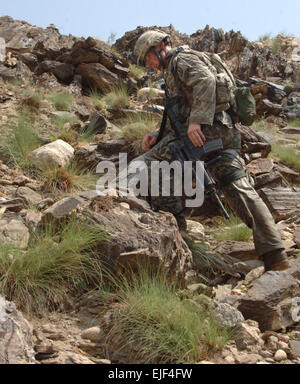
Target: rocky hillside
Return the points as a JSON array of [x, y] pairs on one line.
[[67, 103]]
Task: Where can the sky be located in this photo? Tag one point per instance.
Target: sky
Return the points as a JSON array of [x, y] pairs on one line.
[[101, 18]]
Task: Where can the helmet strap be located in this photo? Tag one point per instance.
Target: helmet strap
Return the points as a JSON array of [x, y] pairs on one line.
[[158, 55]]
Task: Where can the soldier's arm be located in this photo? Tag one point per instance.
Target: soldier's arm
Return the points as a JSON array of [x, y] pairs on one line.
[[195, 75]]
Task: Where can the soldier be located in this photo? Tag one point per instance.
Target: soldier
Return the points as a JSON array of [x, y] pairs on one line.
[[192, 79]]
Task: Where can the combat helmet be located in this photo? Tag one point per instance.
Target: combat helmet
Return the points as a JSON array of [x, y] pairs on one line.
[[147, 41]]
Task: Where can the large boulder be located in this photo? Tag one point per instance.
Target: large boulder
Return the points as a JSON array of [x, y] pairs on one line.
[[270, 300], [56, 154], [63, 72], [138, 234], [97, 76], [16, 338]]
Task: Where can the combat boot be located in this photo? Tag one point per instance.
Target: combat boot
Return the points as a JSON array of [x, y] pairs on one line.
[[276, 261]]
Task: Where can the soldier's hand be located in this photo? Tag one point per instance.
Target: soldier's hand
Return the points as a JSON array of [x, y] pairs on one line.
[[196, 135], [148, 142]]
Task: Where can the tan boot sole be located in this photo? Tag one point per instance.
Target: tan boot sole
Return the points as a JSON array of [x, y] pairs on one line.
[[281, 266]]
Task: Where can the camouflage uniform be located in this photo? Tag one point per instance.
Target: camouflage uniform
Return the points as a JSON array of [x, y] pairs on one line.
[[194, 84]]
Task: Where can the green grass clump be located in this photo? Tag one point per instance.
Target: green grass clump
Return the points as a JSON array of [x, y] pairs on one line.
[[294, 123], [62, 101], [68, 179], [65, 131], [57, 263], [160, 327], [233, 229], [135, 127], [117, 97], [262, 125], [22, 141], [287, 155], [98, 101], [136, 71]]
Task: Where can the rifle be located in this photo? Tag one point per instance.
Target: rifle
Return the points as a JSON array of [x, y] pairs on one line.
[[188, 152]]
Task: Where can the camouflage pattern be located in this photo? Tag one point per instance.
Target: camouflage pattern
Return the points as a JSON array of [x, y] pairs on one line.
[[145, 42], [194, 84], [249, 207]]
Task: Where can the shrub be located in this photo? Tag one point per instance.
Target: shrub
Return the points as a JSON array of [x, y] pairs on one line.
[[68, 179], [98, 101], [117, 97], [135, 127], [136, 71], [22, 141], [158, 326], [53, 266], [62, 101], [33, 101]]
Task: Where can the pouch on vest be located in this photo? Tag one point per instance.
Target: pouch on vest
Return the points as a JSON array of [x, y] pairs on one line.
[[246, 106]]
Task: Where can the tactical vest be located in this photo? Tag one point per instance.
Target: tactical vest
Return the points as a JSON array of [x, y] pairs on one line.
[[239, 101]]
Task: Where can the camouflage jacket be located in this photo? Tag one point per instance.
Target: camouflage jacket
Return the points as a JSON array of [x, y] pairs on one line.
[[194, 84]]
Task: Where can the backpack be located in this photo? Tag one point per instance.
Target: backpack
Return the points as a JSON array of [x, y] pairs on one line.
[[238, 101]]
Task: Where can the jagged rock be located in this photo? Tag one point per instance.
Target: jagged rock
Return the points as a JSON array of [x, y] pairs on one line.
[[269, 301], [99, 124], [89, 156], [237, 249], [227, 316], [265, 106], [139, 234], [13, 230], [14, 205], [259, 166], [29, 196], [268, 180], [29, 59], [16, 341], [96, 76], [2, 50], [20, 71], [63, 72], [62, 208], [247, 335], [253, 142], [58, 153], [196, 229], [291, 130], [282, 202]]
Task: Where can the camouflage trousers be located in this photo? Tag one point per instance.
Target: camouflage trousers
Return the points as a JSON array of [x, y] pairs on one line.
[[240, 196]]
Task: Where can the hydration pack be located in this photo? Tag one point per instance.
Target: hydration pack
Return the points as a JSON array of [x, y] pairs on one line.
[[238, 101]]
